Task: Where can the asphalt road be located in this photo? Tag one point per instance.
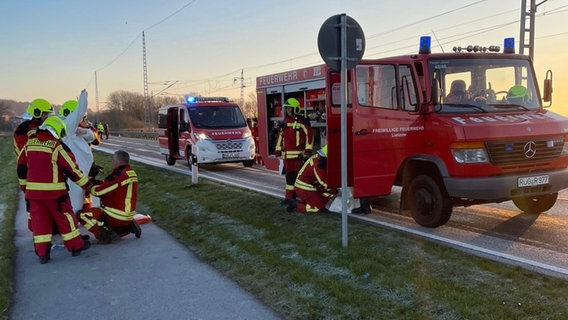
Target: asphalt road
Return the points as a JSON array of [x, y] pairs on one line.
[[497, 231]]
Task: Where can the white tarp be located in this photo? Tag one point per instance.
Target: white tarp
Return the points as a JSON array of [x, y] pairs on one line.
[[80, 148]]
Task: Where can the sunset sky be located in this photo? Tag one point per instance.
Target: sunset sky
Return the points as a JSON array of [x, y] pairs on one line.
[[52, 49]]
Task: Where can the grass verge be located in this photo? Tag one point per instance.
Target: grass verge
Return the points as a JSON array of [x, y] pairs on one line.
[[296, 264], [8, 209]]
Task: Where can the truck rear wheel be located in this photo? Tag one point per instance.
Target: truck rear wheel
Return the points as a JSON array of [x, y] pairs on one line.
[[429, 204], [170, 160], [536, 204]]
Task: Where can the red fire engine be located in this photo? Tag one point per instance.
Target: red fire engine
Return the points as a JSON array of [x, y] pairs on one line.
[[205, 130], [451, 129]]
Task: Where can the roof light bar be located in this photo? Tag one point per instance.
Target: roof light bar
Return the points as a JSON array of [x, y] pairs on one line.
[[194, 99]]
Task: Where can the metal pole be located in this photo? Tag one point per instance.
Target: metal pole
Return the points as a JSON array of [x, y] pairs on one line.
[[343, 97]]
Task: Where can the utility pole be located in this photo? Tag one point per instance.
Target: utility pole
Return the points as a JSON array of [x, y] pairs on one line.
[[242, 80], [528, 31], [147, 104], [97, 117]]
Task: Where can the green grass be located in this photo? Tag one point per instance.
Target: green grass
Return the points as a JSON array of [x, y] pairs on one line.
[[8, 209], [297, 265]]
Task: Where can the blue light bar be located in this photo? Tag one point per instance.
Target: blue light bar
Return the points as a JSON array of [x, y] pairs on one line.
[[193, 99], [509, 45], [425, 44]]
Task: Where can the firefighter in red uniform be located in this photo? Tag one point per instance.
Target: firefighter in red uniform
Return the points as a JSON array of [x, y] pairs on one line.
[[118, 193], [311, 185], [39, 110], [294, 143], [44, 164]]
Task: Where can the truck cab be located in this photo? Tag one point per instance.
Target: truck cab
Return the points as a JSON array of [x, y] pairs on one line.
[[205, 130], [451, 129]]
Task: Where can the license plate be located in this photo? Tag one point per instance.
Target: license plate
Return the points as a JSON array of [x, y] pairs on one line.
[[532, 181], [231, 156]]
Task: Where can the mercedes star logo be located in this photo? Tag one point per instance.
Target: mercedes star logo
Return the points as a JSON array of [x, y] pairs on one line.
[[530, 149]]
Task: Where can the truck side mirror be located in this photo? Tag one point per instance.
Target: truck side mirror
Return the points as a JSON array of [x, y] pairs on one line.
[[547, 88]]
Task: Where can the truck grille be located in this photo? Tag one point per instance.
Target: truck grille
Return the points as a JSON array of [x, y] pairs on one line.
[[229, 146], [524, 151]]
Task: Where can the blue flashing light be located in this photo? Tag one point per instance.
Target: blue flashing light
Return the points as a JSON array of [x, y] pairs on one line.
[[190, 99], [509, 45], [425, 44]]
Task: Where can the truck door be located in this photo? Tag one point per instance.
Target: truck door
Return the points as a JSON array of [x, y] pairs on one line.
[[386, 126], [173, 131]]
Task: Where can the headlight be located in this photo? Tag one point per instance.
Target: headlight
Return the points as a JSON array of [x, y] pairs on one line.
[[565, 147], [469, 152], [201, 136], [246, 134]]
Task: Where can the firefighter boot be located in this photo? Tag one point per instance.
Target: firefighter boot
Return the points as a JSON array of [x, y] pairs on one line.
[[45, 259], [292, 204], [106, 235], [135, 228], [86, 245]]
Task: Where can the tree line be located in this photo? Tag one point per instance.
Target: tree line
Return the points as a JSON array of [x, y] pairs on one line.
[[123, 110]]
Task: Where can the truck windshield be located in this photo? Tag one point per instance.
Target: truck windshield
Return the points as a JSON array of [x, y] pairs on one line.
[[212, 117], [485, 85]]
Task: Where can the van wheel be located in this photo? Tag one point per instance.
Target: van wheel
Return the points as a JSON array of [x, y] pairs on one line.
[[170, 160], [429, 204], [248, 163], [536, 204]]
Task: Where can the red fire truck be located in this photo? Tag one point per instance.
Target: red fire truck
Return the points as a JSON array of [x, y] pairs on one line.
[[451, 129], [205, 130]]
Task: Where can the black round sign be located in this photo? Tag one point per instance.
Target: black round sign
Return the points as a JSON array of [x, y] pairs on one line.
[[329, 42]]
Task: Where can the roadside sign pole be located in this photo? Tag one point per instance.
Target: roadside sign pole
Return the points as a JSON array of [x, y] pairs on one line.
[[343, 97]]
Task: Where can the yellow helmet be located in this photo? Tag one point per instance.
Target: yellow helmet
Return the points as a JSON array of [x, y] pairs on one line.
[[68, 107], [323, 151], [38, 107], [293, 103], [56, 126]]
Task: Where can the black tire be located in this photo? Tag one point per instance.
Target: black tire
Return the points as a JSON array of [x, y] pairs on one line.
[[248, 163], [536, 204], [429, 203], [170, 160]]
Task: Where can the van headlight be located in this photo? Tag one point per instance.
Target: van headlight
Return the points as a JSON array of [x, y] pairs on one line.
[[469, 152], [201, 136], [246, 134]]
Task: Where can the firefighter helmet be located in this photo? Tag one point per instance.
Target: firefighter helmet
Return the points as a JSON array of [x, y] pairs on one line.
[[323, 151], [56, 126], [38, 107], [293, 103], [68, 107], [518, 94]]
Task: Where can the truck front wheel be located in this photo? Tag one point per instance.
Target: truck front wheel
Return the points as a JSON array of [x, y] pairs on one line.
[[170, 160], [536, 204], [248, 163], [429, 204]]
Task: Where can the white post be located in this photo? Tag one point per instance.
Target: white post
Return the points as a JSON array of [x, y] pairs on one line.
[[194, 170]]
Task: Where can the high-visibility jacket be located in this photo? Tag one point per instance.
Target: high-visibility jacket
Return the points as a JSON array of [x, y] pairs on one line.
[[118, 193], [43, 166], [22, 133], [311, 185], [294, 137]]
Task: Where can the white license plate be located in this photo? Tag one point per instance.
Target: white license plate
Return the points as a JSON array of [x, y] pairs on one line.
[[231, 155], [532, 181]]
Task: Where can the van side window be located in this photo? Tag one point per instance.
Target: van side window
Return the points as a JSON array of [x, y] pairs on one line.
[[409, 101], [376, 86]]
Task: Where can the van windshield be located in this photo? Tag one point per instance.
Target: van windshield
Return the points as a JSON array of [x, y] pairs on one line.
[[212, 117], [485, 85]]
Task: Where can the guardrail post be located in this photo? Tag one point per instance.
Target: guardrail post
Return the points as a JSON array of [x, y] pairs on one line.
[[194, 166]]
